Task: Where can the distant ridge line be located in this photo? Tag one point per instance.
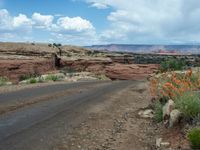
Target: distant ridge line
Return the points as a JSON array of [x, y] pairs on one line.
[[184, 48]]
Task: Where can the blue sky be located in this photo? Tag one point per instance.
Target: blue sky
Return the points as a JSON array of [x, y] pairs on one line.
[[88, 22]]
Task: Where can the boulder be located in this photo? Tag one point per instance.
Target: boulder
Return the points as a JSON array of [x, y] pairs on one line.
[[167, 108], [175, 117]]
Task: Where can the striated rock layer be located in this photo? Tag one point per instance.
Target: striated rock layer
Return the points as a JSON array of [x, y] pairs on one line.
[[15, 69], [130, 71], [114, 71]]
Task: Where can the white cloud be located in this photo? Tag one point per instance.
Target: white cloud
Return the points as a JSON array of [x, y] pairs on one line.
[[12, 25], [99, 5], [81, 39], [21, 20], [76, 24], [145, 21], [5, 20], [73, 24], [6, 35], [19, 27], [74, 30], [42, 21]]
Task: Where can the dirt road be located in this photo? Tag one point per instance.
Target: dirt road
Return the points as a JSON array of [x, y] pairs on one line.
[[86, 115]]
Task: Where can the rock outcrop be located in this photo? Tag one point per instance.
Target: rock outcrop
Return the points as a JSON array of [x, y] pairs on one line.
[[15, 69], [114, 71], [22, 59], [129, 71]]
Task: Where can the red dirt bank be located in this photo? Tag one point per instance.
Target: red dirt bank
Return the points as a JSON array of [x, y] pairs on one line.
[[14, 69]]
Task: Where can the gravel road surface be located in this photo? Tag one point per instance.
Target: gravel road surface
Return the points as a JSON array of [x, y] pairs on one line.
[[40, 118]]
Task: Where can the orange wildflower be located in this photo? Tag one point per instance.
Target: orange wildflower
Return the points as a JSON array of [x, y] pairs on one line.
[[189, 73]]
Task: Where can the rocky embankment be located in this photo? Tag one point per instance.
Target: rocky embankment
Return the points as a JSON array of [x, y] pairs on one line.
[[18, 60], [16, 69]]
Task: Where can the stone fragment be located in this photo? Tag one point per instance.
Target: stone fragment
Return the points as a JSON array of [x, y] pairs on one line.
[[148, 113], [165, 144], [158, 142]]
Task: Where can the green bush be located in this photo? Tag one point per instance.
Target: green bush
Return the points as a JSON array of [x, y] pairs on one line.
[[70, 70], [196, 120], [33, 81], [50, 45], [27, 76], [189, 104], [158, 116], [194, 78], [102, 77], [172, 64], [3, 80], [53, 78], [194, 138]]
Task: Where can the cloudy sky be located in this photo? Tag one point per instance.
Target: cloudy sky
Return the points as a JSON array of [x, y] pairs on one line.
[[88, 22]]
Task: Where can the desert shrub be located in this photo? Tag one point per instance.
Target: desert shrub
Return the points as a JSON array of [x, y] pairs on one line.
[[40, 80], [70, 74], [194, 138], [189, 104], [196, 120], [70, 70], [172, 64], [102, 77], [89, 52], [24, 77], [158, 115], [27, 76], [195, 78], [50, 45], [57, 44], [3, 80], [53, 78], [173, 84], [33, 81]]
